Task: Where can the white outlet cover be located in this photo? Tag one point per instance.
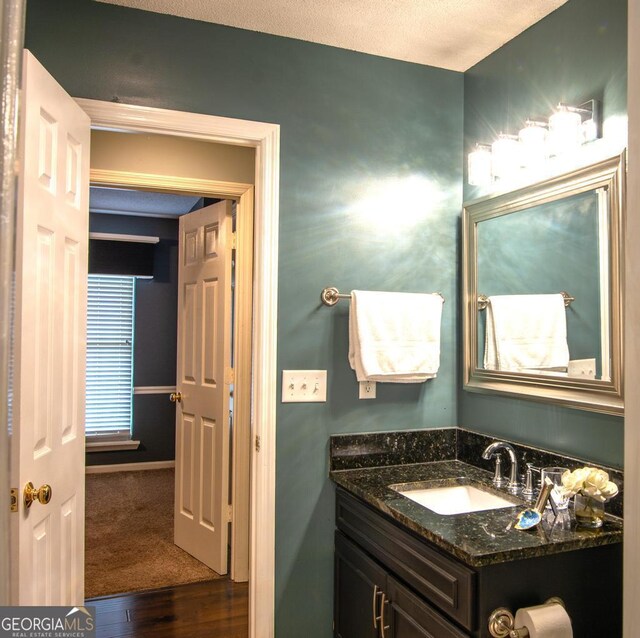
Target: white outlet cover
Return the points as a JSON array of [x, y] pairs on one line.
[[304, 386], [367, 390]]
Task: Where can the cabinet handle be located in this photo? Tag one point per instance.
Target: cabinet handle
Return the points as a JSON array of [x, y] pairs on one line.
[[384, 602], [376, 594]]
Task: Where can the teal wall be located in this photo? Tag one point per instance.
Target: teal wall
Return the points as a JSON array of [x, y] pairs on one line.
[[358, 134], [576, 53]]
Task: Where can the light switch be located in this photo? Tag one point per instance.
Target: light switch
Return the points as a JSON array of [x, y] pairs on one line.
[[304, 386]]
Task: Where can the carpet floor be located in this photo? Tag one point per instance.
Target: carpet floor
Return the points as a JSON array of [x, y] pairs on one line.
[[129, 535]]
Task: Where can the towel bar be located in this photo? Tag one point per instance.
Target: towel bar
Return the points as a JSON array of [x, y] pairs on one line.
[[483, 300], [501, 621], [331, 295]]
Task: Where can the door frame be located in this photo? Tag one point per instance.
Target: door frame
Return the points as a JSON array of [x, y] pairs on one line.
[[265, 138], [243, 195]]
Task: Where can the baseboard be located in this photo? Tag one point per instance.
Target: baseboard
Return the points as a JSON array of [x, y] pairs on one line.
[[129, 467]]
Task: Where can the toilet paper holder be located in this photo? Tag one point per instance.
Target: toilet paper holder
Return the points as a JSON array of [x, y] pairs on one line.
[[501, 621]]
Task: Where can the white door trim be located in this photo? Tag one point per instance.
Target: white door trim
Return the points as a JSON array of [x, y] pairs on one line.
[[265, 138], [631, 548]]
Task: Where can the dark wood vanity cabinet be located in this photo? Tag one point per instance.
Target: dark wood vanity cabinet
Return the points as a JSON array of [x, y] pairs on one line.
[[370, 603], [359, 585], [389, 583]]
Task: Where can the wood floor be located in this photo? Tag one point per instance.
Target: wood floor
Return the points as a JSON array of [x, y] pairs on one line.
[[214, 609]]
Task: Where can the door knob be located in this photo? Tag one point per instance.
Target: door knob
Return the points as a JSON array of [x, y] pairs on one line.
[[31, 494], [175, 397]]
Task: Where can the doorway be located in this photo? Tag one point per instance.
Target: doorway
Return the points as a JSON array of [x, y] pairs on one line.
[[32, 578], [265, 139], [133, 301]]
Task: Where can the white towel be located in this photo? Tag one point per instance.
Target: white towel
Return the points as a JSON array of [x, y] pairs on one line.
[[526, 332], [394, 337]]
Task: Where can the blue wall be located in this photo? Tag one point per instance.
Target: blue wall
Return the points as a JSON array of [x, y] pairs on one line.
[[154, 357], [577, 53], [371, 190]]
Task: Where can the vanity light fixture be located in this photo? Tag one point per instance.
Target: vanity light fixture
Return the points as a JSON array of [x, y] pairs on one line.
[[567, 129]]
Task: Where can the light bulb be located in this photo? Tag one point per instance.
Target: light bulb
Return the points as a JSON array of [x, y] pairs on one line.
[[533, 139], [505, 157], [565, 132], [479, 166]]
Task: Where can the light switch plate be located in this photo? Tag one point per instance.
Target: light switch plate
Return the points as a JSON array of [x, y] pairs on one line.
[[304, 386], [367, 390]]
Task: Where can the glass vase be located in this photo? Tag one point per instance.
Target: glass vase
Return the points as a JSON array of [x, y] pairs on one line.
[[589, 511]]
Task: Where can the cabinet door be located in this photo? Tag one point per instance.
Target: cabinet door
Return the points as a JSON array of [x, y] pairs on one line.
[[411, 617], [359, 583]]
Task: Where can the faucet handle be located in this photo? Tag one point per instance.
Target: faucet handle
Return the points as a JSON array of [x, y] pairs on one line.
[[498, 479], [528, 491]]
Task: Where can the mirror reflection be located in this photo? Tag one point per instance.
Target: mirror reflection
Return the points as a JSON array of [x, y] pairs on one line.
[[525, 261]]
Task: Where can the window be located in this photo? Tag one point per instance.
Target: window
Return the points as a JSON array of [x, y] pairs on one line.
[[109, 394]]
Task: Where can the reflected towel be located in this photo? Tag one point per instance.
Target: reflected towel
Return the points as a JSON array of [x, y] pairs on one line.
[[526, 332], [394, 337]]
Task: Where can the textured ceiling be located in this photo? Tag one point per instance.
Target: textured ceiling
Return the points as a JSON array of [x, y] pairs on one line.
[[452, 34], [122, 201]]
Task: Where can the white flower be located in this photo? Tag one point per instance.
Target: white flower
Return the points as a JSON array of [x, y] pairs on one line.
[[589, 481], [593, 492], [573, 482], [610, 490], [596, 478]]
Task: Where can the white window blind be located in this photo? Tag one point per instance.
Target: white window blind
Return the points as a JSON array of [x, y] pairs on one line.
[[110, 315]]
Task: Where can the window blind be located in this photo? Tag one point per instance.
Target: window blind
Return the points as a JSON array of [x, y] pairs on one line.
[[110, 315]]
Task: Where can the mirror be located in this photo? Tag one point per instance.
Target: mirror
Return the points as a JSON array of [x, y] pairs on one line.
[[542, 296]]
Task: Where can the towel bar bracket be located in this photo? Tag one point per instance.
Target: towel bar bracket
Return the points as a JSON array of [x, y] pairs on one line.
[[331, 295]]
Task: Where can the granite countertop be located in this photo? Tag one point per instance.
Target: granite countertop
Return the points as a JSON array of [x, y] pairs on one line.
[[477, 538]]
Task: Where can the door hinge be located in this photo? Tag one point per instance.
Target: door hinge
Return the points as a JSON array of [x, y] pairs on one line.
[[257, 442], [234, 240], [229, 513], [14, 499], [230, 377]]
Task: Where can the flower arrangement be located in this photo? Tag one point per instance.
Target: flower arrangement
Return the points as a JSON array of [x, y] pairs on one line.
[[589, 482]]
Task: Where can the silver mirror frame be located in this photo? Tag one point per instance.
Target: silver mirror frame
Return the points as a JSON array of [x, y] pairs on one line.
[[585, 394]]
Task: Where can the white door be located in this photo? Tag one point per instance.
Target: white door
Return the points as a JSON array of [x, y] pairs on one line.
[[204, 377], [47, 445]]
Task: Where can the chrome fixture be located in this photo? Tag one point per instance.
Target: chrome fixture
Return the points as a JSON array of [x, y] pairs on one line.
[[514, 485], [529, 492], [502, 621], [483, 300], [561, 134], [330, 296]]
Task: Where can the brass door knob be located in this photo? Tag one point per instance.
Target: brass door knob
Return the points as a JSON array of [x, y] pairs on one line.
[[31, 494], [175, 397]]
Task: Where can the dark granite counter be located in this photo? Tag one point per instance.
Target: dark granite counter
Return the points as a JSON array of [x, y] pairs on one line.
[[478, 538]]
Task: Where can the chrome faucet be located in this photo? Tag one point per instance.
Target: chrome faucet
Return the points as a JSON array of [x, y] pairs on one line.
[[514, 485]]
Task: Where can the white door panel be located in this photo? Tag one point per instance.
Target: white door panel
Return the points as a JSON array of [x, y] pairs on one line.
[[47, 444], [204, 357]]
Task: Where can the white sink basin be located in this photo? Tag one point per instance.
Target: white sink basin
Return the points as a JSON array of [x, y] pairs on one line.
[[455, 499]]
